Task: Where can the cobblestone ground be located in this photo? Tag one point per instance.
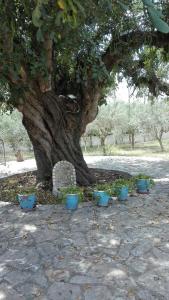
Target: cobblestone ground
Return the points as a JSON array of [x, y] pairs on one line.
[[115, 253]]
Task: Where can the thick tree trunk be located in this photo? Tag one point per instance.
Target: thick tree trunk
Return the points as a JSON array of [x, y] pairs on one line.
[[54, 127]]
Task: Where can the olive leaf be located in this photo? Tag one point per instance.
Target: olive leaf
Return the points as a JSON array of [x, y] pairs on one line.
[[156, 17], [36, 15]]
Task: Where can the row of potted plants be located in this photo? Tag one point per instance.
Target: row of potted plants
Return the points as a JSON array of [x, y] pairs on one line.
[[101, 193]]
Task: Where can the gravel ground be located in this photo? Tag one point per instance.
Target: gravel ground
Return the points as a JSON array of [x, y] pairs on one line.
[[115, 253], [156, 167]]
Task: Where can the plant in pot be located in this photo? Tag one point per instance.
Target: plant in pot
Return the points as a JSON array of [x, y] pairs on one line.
[[27, 200], [143, 183], [71, 196], [121, 189], [102, 194]]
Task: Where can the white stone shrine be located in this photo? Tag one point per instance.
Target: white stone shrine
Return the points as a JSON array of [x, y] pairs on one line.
[[63, 175]]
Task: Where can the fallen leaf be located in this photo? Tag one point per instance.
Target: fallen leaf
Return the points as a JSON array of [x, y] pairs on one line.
[[61, 257]]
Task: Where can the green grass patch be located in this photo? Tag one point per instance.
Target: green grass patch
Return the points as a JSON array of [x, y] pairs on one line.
[[112, 188]]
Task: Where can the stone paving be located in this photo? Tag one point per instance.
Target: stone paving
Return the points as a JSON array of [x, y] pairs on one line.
[[115, 253]]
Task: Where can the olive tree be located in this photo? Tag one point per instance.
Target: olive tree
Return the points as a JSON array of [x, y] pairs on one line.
[[102, 125], [155, 120], [13, 132], [57, 57]]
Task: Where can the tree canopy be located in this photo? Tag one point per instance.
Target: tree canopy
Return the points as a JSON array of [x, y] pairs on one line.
[[133, 119], [50, 49], [73, 44]]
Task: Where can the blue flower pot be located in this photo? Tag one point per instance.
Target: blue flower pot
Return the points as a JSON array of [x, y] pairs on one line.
[[143, 186], [122, 193], [102, 198], [72, 201], [27, 202]]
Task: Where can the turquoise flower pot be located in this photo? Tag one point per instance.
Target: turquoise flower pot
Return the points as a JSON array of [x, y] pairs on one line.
[[72, 201], [143, 186], [102, 198], [27, 202], [122, 193]]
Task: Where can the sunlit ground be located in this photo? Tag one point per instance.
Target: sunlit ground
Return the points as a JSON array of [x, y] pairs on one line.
[[151, 149]]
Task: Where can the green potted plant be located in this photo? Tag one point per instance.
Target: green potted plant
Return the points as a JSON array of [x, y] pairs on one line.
[[143, 183], [27, 199], [121, 188], [71, 196], [102, 194]]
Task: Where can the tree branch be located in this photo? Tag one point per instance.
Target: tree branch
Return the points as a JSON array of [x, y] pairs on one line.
[[46, 83], [132, 41], [154, 83]]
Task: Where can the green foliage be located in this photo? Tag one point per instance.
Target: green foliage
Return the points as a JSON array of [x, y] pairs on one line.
[[119, 183], [66, 11], [143, 176], [63, 192], [103, 124], [12, 186], [36, 15], [106, 187], [120, 118], [80, 32], [155, 119], [13, 132], [156, 17], [123, 5], [112, 189], [154, 13]]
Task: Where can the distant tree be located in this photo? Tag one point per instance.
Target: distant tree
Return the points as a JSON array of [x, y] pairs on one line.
[[118, 121], [2, 151], [84, 140], [109, 121], [88, 135], [155, 120], [102, 126], [12, 131], [132, 121]]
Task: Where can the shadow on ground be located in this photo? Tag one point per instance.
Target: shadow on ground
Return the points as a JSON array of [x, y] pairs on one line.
[[120, 252], [155, 167]]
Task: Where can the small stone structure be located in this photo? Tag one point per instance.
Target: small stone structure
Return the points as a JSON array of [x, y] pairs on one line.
[[64, 175]]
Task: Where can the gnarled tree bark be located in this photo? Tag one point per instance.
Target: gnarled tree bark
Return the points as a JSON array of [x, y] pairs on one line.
[[55, 126]]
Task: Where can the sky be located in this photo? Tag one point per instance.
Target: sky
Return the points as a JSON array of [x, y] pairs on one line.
[[122, 92]]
